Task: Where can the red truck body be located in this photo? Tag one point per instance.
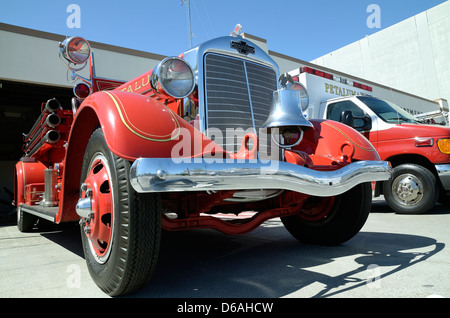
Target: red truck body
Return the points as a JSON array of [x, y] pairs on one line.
[[418, 152], [129, 159]]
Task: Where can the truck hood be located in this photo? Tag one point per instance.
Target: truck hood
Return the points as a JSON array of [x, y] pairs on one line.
[[408, 131]]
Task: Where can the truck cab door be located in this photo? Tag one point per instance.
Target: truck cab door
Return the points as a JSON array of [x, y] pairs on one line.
[[349, 113]]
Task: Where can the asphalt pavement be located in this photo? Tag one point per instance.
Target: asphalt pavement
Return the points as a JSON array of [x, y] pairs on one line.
[[394, 256]]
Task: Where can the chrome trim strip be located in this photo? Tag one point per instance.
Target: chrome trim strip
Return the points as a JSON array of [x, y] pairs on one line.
[[165, 175], [250, 97]]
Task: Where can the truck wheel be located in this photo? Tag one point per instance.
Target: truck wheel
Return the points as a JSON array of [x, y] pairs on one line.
[[331, 220], [121, 236], [412, 189], [25, 221]]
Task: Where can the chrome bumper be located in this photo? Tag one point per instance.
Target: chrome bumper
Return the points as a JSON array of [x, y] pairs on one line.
[[443, 172], [165, 175]]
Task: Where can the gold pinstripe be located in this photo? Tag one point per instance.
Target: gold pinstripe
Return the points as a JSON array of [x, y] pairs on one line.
[[136, 131]]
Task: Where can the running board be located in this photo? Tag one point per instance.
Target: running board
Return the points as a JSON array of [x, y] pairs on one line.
[[47, 213]]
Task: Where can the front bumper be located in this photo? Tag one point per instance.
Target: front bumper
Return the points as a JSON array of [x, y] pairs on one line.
[[166, 175], [443, 172]]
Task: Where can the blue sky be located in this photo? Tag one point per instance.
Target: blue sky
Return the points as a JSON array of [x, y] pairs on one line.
[[304, 29]]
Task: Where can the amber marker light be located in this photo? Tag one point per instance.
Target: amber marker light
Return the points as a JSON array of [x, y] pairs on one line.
[[444, 145]]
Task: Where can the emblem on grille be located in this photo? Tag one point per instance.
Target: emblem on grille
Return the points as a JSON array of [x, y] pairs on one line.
[[242, 47]]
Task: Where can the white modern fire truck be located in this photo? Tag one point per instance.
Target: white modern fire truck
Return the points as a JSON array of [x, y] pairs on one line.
[[418, 150]]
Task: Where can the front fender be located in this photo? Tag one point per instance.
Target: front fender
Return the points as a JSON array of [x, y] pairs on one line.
[[133, 126], [333, 141], [138, 126]]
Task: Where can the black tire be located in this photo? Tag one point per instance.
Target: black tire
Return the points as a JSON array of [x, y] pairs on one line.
[[25, 221], [444, 198], [412, 189], [133, 249], [342, 218]]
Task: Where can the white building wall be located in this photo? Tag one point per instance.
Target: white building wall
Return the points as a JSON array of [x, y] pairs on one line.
[[412, 56], [28, 58], [32, 56]]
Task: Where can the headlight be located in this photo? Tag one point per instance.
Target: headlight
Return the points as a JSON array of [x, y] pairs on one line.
[[76, 50], [444, 146], [287, 81], [304, 98], [173, 77]]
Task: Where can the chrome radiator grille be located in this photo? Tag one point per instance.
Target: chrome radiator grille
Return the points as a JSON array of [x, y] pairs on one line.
[[237, 97]]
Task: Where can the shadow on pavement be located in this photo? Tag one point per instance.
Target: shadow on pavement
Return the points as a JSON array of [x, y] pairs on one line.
[[66, 235], [204, 264], [267, 263]]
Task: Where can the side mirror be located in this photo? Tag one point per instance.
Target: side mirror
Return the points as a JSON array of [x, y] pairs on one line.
[[348, 119]]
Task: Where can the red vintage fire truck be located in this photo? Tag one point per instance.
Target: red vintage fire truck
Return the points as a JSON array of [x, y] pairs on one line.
[[190, 144]]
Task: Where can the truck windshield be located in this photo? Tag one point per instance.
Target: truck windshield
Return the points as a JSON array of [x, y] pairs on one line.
[[388, 111]]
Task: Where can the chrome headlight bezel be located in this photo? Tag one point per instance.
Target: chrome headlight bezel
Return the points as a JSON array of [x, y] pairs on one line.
[[75, 50], [173, 77]]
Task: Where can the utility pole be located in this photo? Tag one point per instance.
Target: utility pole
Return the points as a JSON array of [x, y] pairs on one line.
[[188, 19]]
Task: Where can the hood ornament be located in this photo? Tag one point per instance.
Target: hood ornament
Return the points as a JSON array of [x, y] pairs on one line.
[[237, 30]]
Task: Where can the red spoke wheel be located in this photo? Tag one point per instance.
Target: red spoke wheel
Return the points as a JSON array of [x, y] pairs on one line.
[[121, 233], [98, 228], [331, 220]]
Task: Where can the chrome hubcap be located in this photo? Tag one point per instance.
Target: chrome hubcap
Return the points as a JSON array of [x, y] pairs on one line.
[[407, 189]]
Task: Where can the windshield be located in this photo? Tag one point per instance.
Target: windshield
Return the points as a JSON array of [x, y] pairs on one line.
[[388, 111]]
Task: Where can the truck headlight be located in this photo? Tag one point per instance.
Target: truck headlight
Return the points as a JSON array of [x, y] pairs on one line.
[[173, 77], [75, 49], [444, 146]]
